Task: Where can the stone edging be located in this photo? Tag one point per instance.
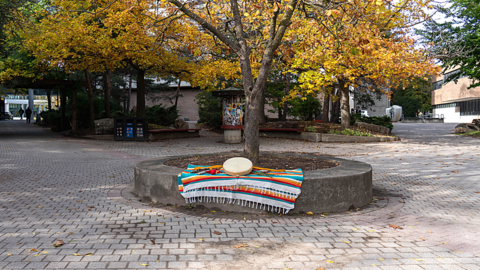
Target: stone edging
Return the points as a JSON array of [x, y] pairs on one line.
[[323, 137]]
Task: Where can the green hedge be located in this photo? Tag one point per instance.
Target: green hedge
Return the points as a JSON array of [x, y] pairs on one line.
[[384, 121], [160, 115]]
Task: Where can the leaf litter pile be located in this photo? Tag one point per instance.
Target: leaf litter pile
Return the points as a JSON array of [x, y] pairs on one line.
[[265, 161]]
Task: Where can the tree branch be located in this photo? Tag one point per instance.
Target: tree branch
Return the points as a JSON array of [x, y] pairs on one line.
[[206, 25]]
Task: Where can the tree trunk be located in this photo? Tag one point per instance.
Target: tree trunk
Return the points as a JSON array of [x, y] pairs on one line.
[[62, 107], [141, 93], [178, 93], [251, 133], [261, 108], [73, 123], [336, 110], [285, 104], [90, 99], [129, 93], [326, 108], [49, 99], [106, 91], [345, 105]]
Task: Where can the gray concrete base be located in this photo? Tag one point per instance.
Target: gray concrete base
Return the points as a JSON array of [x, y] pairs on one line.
[[232, 135], [346, 186], [322, 137], [353, 139]]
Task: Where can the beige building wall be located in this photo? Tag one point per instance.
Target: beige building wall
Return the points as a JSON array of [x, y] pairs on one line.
[[454, 92], [187, 105]]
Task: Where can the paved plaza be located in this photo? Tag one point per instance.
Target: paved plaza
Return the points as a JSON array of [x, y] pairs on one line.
[[53, 187]]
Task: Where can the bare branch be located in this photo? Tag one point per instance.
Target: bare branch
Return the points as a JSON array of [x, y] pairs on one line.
[[206, 25]]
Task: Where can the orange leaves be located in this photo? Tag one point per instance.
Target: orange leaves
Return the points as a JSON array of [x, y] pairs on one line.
[[395, 226]]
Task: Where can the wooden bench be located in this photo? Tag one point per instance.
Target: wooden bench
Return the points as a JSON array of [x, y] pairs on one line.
[[159, 134]]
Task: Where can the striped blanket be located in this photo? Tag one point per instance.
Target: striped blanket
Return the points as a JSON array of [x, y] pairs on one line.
[[275, 191]]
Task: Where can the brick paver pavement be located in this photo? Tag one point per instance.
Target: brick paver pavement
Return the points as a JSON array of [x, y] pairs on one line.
[[78, 191]]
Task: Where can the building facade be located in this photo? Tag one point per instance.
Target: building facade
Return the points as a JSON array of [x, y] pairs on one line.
[[13, 103], [454, 100]]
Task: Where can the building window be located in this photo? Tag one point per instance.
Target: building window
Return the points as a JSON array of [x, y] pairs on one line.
[[470, 107], [446, 105]]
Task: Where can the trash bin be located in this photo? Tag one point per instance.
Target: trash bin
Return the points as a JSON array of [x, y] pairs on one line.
[[141, 129], [119, 129], [130, 129]]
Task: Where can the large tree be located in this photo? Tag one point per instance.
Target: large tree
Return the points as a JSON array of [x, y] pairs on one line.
[[344, 50], [100, 35], [456, 40]]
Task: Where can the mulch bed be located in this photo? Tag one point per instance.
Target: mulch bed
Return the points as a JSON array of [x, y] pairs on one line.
[[265, 161]]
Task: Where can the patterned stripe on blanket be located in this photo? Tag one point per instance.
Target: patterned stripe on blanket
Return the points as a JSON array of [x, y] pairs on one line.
[[276, 193]]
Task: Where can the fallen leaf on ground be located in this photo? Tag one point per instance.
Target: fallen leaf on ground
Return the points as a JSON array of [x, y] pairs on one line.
[[444, 243], [240, 246], [148, 211], [321, 268], [393, 184], [201, 239], [309, 213], [381, 259], [457, 251], [455, 171], [330, 262], [418, 259], [422, 239], [59, 243], [144, 264], [477, 191], [76, 254], [153, 241], [79, 200], [88, 254], [217, 233], [213, 211], [395, 226], [430, 232], [33, 249]]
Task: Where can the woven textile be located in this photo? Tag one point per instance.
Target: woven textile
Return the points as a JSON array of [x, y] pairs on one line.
[[275, 191]]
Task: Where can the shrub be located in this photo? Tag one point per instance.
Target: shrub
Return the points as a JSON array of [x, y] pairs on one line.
[[160, 115], [350, 132], [52, 117], [311, 129], [306, 108], [209, 109], [384, 121]]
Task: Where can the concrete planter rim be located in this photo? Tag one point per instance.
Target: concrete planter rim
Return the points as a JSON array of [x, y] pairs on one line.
[[345, 165]]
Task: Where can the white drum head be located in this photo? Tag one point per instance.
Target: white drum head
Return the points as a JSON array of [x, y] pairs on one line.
[[237, 166]]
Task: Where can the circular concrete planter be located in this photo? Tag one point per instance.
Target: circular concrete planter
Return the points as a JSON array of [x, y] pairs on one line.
[[330, 190]]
